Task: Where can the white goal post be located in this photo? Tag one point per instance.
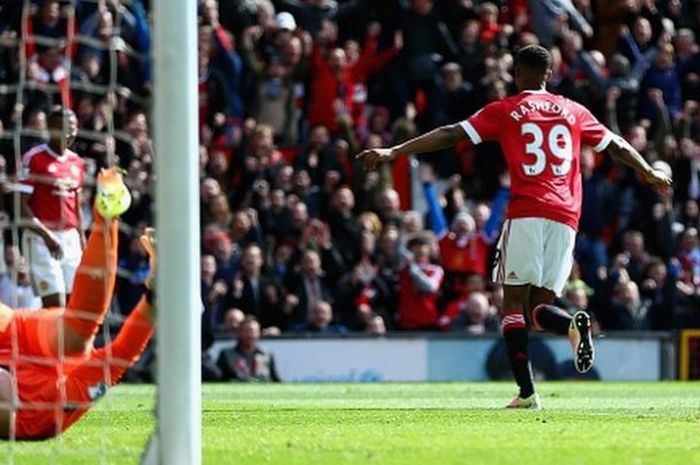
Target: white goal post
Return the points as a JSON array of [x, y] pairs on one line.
[[178, 440]]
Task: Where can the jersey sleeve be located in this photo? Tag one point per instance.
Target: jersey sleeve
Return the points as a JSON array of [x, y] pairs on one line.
[[485, 124], [593, 132]]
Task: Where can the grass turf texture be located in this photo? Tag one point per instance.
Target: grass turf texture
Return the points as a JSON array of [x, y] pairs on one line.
[[458, 423]]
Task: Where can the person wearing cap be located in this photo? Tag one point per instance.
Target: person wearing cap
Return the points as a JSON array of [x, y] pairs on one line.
[[312, 14], [274, 97], [286, 21]]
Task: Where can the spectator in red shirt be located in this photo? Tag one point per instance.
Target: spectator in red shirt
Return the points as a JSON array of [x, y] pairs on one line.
[[419, 285], [488, 15], [49, 66], [464, 249], [331, 82], [214, 95], [47, 23], [363, 63]]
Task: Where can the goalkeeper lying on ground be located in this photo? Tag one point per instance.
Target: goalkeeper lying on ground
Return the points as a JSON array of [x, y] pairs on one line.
[[52, 372]]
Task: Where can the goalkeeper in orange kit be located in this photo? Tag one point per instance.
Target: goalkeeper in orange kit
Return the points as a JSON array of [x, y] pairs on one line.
[[52, 372]]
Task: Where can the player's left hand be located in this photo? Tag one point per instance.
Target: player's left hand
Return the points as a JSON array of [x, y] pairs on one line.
[[371, 157], [148, 242], [657, 178]]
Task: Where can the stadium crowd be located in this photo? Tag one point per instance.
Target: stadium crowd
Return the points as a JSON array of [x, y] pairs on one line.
[[294, 233]]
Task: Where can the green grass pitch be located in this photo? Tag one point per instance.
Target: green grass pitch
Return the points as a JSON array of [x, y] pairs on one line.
[[456, 423]]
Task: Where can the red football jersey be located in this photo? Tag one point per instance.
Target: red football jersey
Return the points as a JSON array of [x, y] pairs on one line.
[[541, 136], [464, 254], [54, 182], [418, 309]]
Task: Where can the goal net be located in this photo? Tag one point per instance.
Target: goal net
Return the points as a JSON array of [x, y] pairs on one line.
[[127, 71]]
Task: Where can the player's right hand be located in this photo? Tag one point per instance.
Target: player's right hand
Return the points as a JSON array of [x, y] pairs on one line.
[[371, 157], [657, 178], [54, 246]]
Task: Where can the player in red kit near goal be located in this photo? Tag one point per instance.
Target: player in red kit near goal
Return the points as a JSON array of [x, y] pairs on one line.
[[540, 134], [51, 183]]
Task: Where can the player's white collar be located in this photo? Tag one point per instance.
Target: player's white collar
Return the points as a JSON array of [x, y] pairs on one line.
[[535, 91]]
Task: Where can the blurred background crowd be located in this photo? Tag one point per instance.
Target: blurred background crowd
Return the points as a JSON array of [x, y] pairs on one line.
[[294, 234]]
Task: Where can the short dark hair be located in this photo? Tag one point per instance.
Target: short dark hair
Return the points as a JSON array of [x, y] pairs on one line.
[[417, 241], [55, 117], [56, 112], [59, 114], [535, 58]]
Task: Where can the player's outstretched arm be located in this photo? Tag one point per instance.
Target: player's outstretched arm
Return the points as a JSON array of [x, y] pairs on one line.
[[623, 152], [437, 139]]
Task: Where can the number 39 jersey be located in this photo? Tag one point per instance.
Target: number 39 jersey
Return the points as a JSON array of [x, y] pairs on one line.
[[541, 136]]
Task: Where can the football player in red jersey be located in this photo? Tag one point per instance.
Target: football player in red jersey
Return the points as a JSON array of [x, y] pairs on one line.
[[540, 134], [51, 182]]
